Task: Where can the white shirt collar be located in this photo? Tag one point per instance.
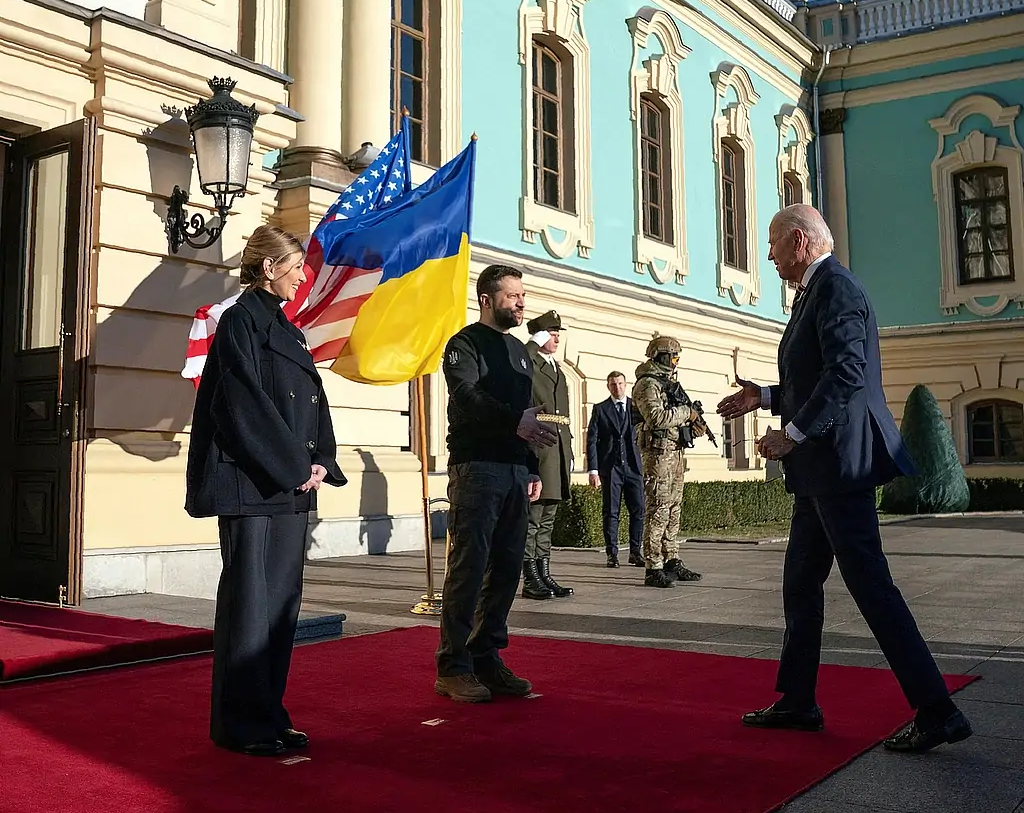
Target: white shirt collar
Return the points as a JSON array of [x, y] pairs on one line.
[[805, 281]]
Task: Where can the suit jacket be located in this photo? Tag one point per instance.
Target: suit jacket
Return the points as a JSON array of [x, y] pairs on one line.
[[830, 387], [261, 419], [551, 391], [612, 442]]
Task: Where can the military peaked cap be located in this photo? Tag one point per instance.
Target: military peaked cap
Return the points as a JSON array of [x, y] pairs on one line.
[[546, 321]]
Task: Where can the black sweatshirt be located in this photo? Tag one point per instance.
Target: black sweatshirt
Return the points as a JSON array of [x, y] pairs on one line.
[[490, 385]]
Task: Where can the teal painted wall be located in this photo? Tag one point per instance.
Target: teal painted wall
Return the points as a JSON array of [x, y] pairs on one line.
[[891, 211], [492, 107]]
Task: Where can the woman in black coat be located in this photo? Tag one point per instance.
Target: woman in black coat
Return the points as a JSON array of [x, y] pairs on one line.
[[261, 446]]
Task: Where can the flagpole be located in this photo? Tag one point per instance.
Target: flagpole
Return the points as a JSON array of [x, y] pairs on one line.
[[429, 604]]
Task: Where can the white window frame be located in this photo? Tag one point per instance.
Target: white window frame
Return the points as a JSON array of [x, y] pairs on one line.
[[560, 232], [659, 76], [733, 121], [976, 149]]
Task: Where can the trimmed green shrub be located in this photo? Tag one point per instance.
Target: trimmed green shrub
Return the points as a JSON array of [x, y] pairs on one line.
[[939, 487], [996, 494], [707, 507]]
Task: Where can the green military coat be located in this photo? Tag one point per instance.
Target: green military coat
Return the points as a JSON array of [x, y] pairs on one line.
[[551, 392]]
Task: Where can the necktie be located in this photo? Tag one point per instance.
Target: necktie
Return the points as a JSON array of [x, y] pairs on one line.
[[799, 293], [620, 411]]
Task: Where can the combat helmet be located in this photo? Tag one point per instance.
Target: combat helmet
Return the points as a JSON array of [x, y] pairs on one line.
[[663, 344]]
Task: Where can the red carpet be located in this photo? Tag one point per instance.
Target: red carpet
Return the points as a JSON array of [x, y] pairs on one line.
[[615, 729], [38, 640]]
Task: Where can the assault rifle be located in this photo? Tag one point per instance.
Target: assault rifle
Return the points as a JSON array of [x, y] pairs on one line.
[[677, 397]]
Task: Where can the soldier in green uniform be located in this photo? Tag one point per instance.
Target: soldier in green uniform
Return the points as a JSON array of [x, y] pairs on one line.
[[664, 428], [551, 393]]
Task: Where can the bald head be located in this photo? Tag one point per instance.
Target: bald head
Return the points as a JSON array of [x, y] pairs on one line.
[[798, 235]]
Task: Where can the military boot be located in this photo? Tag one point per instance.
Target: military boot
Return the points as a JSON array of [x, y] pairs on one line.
[[658, 578], [544, 568], [683, 573], [533, 587]]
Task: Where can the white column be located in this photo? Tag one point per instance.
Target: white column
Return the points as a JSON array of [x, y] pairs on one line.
[[315, 65], [366, 90]]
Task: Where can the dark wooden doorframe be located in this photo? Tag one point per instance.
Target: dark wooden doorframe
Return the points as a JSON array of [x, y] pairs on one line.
[[43, 372]]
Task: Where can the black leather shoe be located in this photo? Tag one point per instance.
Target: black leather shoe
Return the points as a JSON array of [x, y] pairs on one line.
[[914, 740], [291, 738], [810, 720], [637, 560], [270, 748], [613, 561]]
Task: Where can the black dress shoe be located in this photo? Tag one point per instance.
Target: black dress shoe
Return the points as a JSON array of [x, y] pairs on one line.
[[808, 720], [914, 740], [637, 560], [269, 748], [613, 561], [291, 738]]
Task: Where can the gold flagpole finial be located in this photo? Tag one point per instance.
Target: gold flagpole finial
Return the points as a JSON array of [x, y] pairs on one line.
[[473, 137], [405, 110]]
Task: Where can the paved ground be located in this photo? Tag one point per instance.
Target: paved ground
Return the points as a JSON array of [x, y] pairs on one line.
[[962, 576]]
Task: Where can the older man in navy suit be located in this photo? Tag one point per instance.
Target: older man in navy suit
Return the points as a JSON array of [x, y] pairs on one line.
[[613, 463], [838, 443]]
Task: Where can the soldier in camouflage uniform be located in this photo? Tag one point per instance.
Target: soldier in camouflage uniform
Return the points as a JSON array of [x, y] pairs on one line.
[[664, 429]]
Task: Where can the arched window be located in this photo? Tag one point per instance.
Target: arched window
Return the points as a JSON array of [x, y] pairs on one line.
[[734, 206], [553, 183], [995, 432], [656, 166], [792, 189]]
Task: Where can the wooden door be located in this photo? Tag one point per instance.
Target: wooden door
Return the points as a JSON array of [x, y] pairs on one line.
[[45, 254]]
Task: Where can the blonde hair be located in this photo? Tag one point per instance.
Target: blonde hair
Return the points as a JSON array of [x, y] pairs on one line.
[[266, 243]]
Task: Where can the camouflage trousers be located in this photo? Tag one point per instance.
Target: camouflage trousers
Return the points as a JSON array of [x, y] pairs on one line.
[[663, 497]]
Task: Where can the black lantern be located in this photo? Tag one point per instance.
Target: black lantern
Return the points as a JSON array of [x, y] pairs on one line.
[[222, 130]]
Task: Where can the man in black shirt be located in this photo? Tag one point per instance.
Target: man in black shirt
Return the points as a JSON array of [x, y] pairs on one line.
[[492, 479]]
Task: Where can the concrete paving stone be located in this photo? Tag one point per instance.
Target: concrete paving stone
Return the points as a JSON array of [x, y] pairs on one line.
[[995, 721], [929, 783], [1001, 681]]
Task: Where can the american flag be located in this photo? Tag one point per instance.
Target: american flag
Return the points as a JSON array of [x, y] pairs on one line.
[[325, 305]]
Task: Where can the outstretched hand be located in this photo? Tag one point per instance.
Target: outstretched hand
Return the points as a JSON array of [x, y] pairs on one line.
[[748, 399], [533, 431]]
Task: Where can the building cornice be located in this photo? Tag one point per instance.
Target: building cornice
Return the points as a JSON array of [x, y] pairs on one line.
[[629, 292], [88, 16]]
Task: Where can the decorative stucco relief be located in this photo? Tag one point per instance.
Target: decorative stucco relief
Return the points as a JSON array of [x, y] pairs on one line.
[[658, 76], [560, 232], [732, 120], [792, 161], [957, 152]]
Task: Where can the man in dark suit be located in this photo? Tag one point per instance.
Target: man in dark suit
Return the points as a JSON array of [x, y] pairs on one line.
[[839, 442], [613, 463], [551, 393]]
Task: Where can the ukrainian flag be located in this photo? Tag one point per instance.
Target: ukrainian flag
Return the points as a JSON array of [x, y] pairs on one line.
[[418, 251]]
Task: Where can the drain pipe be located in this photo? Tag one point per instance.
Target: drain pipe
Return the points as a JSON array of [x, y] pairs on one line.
[[817, 127]]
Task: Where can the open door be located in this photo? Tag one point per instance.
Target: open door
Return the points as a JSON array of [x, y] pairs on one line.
[[45, 252]]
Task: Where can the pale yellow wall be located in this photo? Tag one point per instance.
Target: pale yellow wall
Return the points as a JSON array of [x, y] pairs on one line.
[[959, 364], [57, 69]]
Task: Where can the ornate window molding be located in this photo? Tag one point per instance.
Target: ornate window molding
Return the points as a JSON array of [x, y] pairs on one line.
[[658, 77], [960, 408], [955, 154], [794, 137], [732, 121], [560, 232]]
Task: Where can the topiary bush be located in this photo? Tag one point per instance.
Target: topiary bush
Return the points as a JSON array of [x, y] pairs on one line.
[[940, 486]]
